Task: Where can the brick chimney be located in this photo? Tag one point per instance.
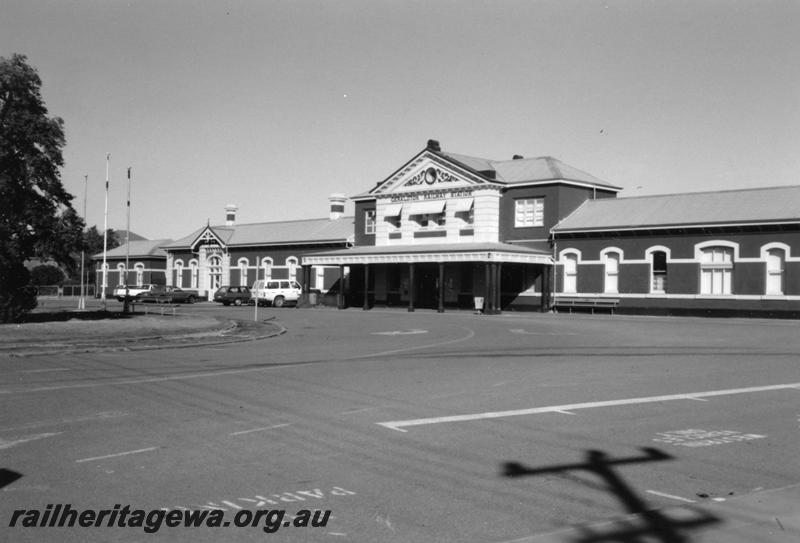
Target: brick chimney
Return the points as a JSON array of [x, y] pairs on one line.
[[230, 214], [337, 205]]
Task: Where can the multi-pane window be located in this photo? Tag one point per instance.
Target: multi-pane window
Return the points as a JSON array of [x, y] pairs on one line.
[[121, 273], [369, 221], [658, 283], [139, 274], [612, 273], [215, 272], [716, 270], [528, 212], [243, 271], [179, 274], [570, 273], [291, 263], [266, 263], [776, 259], [194, 274]]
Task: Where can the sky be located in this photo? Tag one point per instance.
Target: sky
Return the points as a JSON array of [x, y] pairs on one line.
[[275, 105]]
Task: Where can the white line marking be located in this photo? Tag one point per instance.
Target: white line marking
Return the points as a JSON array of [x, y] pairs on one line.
[[670, 496], [115, 455], [400, 332], [697, 399], [470, 334], [45, 370], [398, 424], [564, 412], [58, 422], [361, 410], [259, 429], [24, 439]]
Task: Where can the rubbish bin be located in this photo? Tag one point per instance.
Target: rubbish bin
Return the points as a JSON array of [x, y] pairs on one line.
[[312, 298], [478, 304]]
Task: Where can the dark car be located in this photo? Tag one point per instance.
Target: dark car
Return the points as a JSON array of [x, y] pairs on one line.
[[233, 295], [161, 294]]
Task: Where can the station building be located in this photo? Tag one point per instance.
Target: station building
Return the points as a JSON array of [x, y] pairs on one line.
[[146, 263], [734, 252], [445, 229], [239, 254]]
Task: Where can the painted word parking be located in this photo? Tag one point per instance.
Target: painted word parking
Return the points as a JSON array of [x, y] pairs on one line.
[[151, 521]]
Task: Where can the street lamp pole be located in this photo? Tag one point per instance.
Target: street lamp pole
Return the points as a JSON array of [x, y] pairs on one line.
[[105, 237], [82, 300]]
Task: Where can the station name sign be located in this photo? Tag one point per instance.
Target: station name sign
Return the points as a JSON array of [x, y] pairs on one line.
[[432, 195]]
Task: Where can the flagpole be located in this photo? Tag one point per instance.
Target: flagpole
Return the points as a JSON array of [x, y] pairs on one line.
[[105, 238], [82, 301], [126, 306]]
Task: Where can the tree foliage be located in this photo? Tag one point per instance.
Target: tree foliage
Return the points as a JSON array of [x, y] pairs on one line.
[[36, 216], [45, 274]]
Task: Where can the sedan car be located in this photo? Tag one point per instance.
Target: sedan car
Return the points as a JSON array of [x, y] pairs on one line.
[[161, 294], [228, 295]]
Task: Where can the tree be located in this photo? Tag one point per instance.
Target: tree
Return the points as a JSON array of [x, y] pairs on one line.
[[45, 274], [36, 216]]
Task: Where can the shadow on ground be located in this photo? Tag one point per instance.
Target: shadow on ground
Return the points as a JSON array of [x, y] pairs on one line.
[[643, 523]]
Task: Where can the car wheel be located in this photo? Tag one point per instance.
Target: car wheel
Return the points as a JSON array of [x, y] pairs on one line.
[[237, 301], [226, 303], [190, 300], [278, 301]]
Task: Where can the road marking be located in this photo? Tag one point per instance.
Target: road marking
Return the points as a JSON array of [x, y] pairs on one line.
[[259, 429], [670, 496], [361, 410], [101, 415], [400, 332], [24, 439], [115, 455], [470, 334], [400, 424], [525, 332], [703, 438], [564, 412], [45, 370]]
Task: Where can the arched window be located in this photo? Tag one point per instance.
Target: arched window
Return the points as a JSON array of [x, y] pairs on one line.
[[121, 275], [776, 258], [658, 266], [193, 274], [179, 273], [266, 264], [243, 263], [611, 283], [570, 272], [139, 267], [716, 270], [214, 272], [291, 263]]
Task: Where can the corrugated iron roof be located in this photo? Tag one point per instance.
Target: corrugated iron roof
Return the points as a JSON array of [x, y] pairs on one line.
[[432, 248], [138, 249], [746, 206], [272, 233]]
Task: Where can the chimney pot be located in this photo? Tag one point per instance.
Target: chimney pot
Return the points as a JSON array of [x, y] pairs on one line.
[[337, 201], [433, 145], [518, 157], [230, 214]]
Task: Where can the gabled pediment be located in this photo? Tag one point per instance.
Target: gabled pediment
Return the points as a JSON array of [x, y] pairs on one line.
[[207, 236], [429, 171]]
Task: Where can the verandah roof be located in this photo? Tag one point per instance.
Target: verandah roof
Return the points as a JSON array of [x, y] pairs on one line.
[[449, 252]]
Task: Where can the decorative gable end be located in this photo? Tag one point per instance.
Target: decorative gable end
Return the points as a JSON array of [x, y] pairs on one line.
[[207, 237]]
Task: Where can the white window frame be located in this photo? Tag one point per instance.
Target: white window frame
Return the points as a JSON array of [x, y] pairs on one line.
[[139, 268], [178, 273], [370, 221], [243, 265], [569, 280], [528, 212], [214, 271], [650, 253], [716, 269], [266, 265], [194, 273], [292, 263], [612, 258], [775, 275], [122, 274]]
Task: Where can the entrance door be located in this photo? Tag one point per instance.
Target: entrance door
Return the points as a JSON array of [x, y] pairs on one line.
[[214, 273], [427, 283]]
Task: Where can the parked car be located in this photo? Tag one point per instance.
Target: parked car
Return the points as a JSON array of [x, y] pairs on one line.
[[228, 295], [160, 294], [133, 290], [277, 293]]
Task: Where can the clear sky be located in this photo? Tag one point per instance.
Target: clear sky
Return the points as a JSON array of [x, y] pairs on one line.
[[275, 105]]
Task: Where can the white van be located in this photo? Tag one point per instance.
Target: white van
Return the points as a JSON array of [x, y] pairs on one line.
[[276, 292]]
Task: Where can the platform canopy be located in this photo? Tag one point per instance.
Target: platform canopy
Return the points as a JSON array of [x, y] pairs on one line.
[[446, 252]]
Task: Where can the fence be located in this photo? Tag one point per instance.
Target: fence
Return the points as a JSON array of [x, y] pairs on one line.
[[65, 291]]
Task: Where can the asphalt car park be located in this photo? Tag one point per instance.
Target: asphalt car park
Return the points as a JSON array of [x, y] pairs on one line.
[[423, 427]]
